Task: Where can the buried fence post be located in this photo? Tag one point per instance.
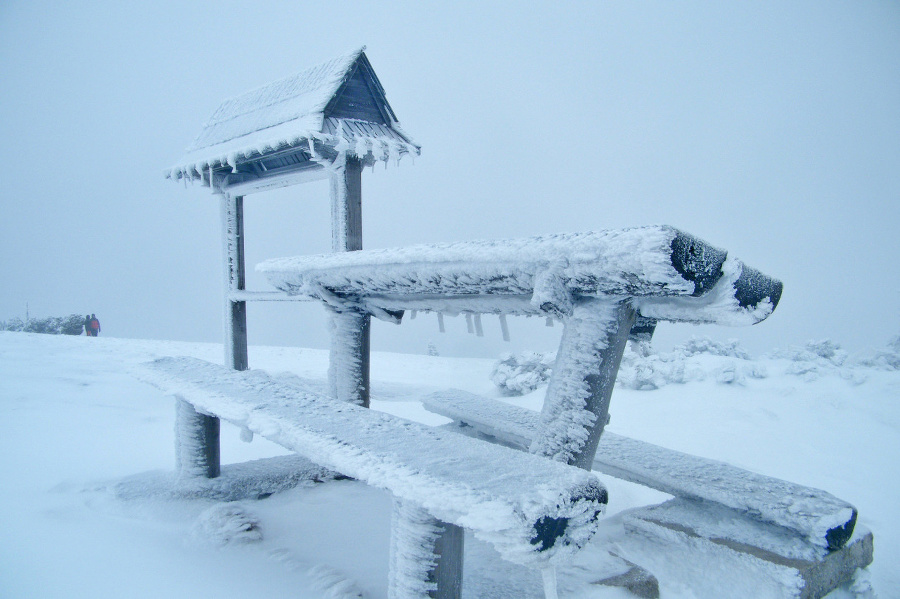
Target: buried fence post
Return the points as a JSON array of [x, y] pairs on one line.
[[576, 407], [426, 555]]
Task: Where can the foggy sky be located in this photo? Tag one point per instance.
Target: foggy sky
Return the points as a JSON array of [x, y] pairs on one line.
[[771, 129]]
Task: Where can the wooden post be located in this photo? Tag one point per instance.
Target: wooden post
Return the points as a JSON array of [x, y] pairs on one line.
[[197, 435], [348, 362], [576, 407], [350, 336], [235, 311], [196, 443], [426, 557]]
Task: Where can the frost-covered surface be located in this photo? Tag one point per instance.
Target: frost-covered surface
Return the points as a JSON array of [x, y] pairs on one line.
[[538, 275], [577, 396], [500, 494], [72, 417], [810, 512], [285, 113]]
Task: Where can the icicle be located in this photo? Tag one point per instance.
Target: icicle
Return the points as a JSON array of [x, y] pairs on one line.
[[469, 327], [504, 328], [441, 322], [412, 314], [550, 321], [246, 435], [478, 330], [549, 576]]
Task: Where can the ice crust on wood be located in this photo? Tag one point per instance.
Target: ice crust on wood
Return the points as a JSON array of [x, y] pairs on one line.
[[821, 518], [538, 275], [567, 421], [508, 498], [414, 533]]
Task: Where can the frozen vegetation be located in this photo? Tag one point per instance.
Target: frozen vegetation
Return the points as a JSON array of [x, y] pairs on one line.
[[72, 324], [77, 424], [701, 358]]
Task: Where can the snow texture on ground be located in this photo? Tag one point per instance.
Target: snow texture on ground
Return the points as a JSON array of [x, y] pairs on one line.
[[75, 423]]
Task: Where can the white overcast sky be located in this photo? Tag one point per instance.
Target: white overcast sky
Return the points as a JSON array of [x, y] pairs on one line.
[[771, 129]]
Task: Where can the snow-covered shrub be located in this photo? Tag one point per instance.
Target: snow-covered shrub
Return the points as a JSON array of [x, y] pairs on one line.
[[518, 374], [648, 372], [694, 360], [227, 523], [704, 345], [15, 324], [813, 359], [54, 325], [884, 359]]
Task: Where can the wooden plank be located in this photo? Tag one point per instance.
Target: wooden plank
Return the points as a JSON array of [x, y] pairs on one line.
[[537, 507], [825, 519]]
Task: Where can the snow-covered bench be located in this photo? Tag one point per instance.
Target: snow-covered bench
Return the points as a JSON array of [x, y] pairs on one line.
[[532, 510], [603, 286], [596, 283]]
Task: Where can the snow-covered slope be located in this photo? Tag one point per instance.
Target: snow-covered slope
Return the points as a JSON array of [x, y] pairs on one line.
[[73, 419]]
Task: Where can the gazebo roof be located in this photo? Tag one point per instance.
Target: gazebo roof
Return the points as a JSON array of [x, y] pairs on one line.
[[292, 124]]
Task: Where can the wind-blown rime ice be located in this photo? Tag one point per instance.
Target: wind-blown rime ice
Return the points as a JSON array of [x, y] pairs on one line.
[[505, 497], [538, 275]]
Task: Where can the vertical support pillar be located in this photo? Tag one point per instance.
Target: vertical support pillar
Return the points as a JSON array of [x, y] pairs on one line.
[[426, 557], [235, 311], [197, 435], [576, 407], [196, 443], [350, 331], [348, 362]]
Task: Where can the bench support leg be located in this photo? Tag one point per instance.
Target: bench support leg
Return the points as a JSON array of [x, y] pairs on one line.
[[196, 442], [576, 407], [348, 366], [426, 555]]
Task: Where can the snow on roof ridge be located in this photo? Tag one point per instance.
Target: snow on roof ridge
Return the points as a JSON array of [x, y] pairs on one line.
[[323, 77]]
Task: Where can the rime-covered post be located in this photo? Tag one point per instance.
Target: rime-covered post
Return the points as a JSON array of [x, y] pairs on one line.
[[196, 442], [426, 557], [235, 311], [576, 407], [348, 371], [197, 435]]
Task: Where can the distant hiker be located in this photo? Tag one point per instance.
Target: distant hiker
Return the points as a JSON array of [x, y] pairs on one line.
[[95, 325], [87, 325]]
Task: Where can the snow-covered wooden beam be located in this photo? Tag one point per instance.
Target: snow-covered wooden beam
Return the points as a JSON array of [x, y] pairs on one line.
[[664, 273], [534, 511], [817, 516]]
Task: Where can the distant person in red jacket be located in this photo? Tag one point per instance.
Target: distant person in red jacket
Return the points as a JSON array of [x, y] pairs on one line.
[[95, 325]]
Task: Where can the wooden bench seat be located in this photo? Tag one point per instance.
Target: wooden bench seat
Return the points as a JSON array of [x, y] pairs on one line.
[[529, 508], [817, 516]]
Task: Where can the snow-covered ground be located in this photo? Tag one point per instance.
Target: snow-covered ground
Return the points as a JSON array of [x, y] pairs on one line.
[[74, 420]]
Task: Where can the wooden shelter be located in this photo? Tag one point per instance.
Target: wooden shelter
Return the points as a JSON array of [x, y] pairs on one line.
[[326, 122]]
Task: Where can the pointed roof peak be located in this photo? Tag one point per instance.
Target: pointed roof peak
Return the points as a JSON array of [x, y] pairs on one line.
[[286, 112]]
